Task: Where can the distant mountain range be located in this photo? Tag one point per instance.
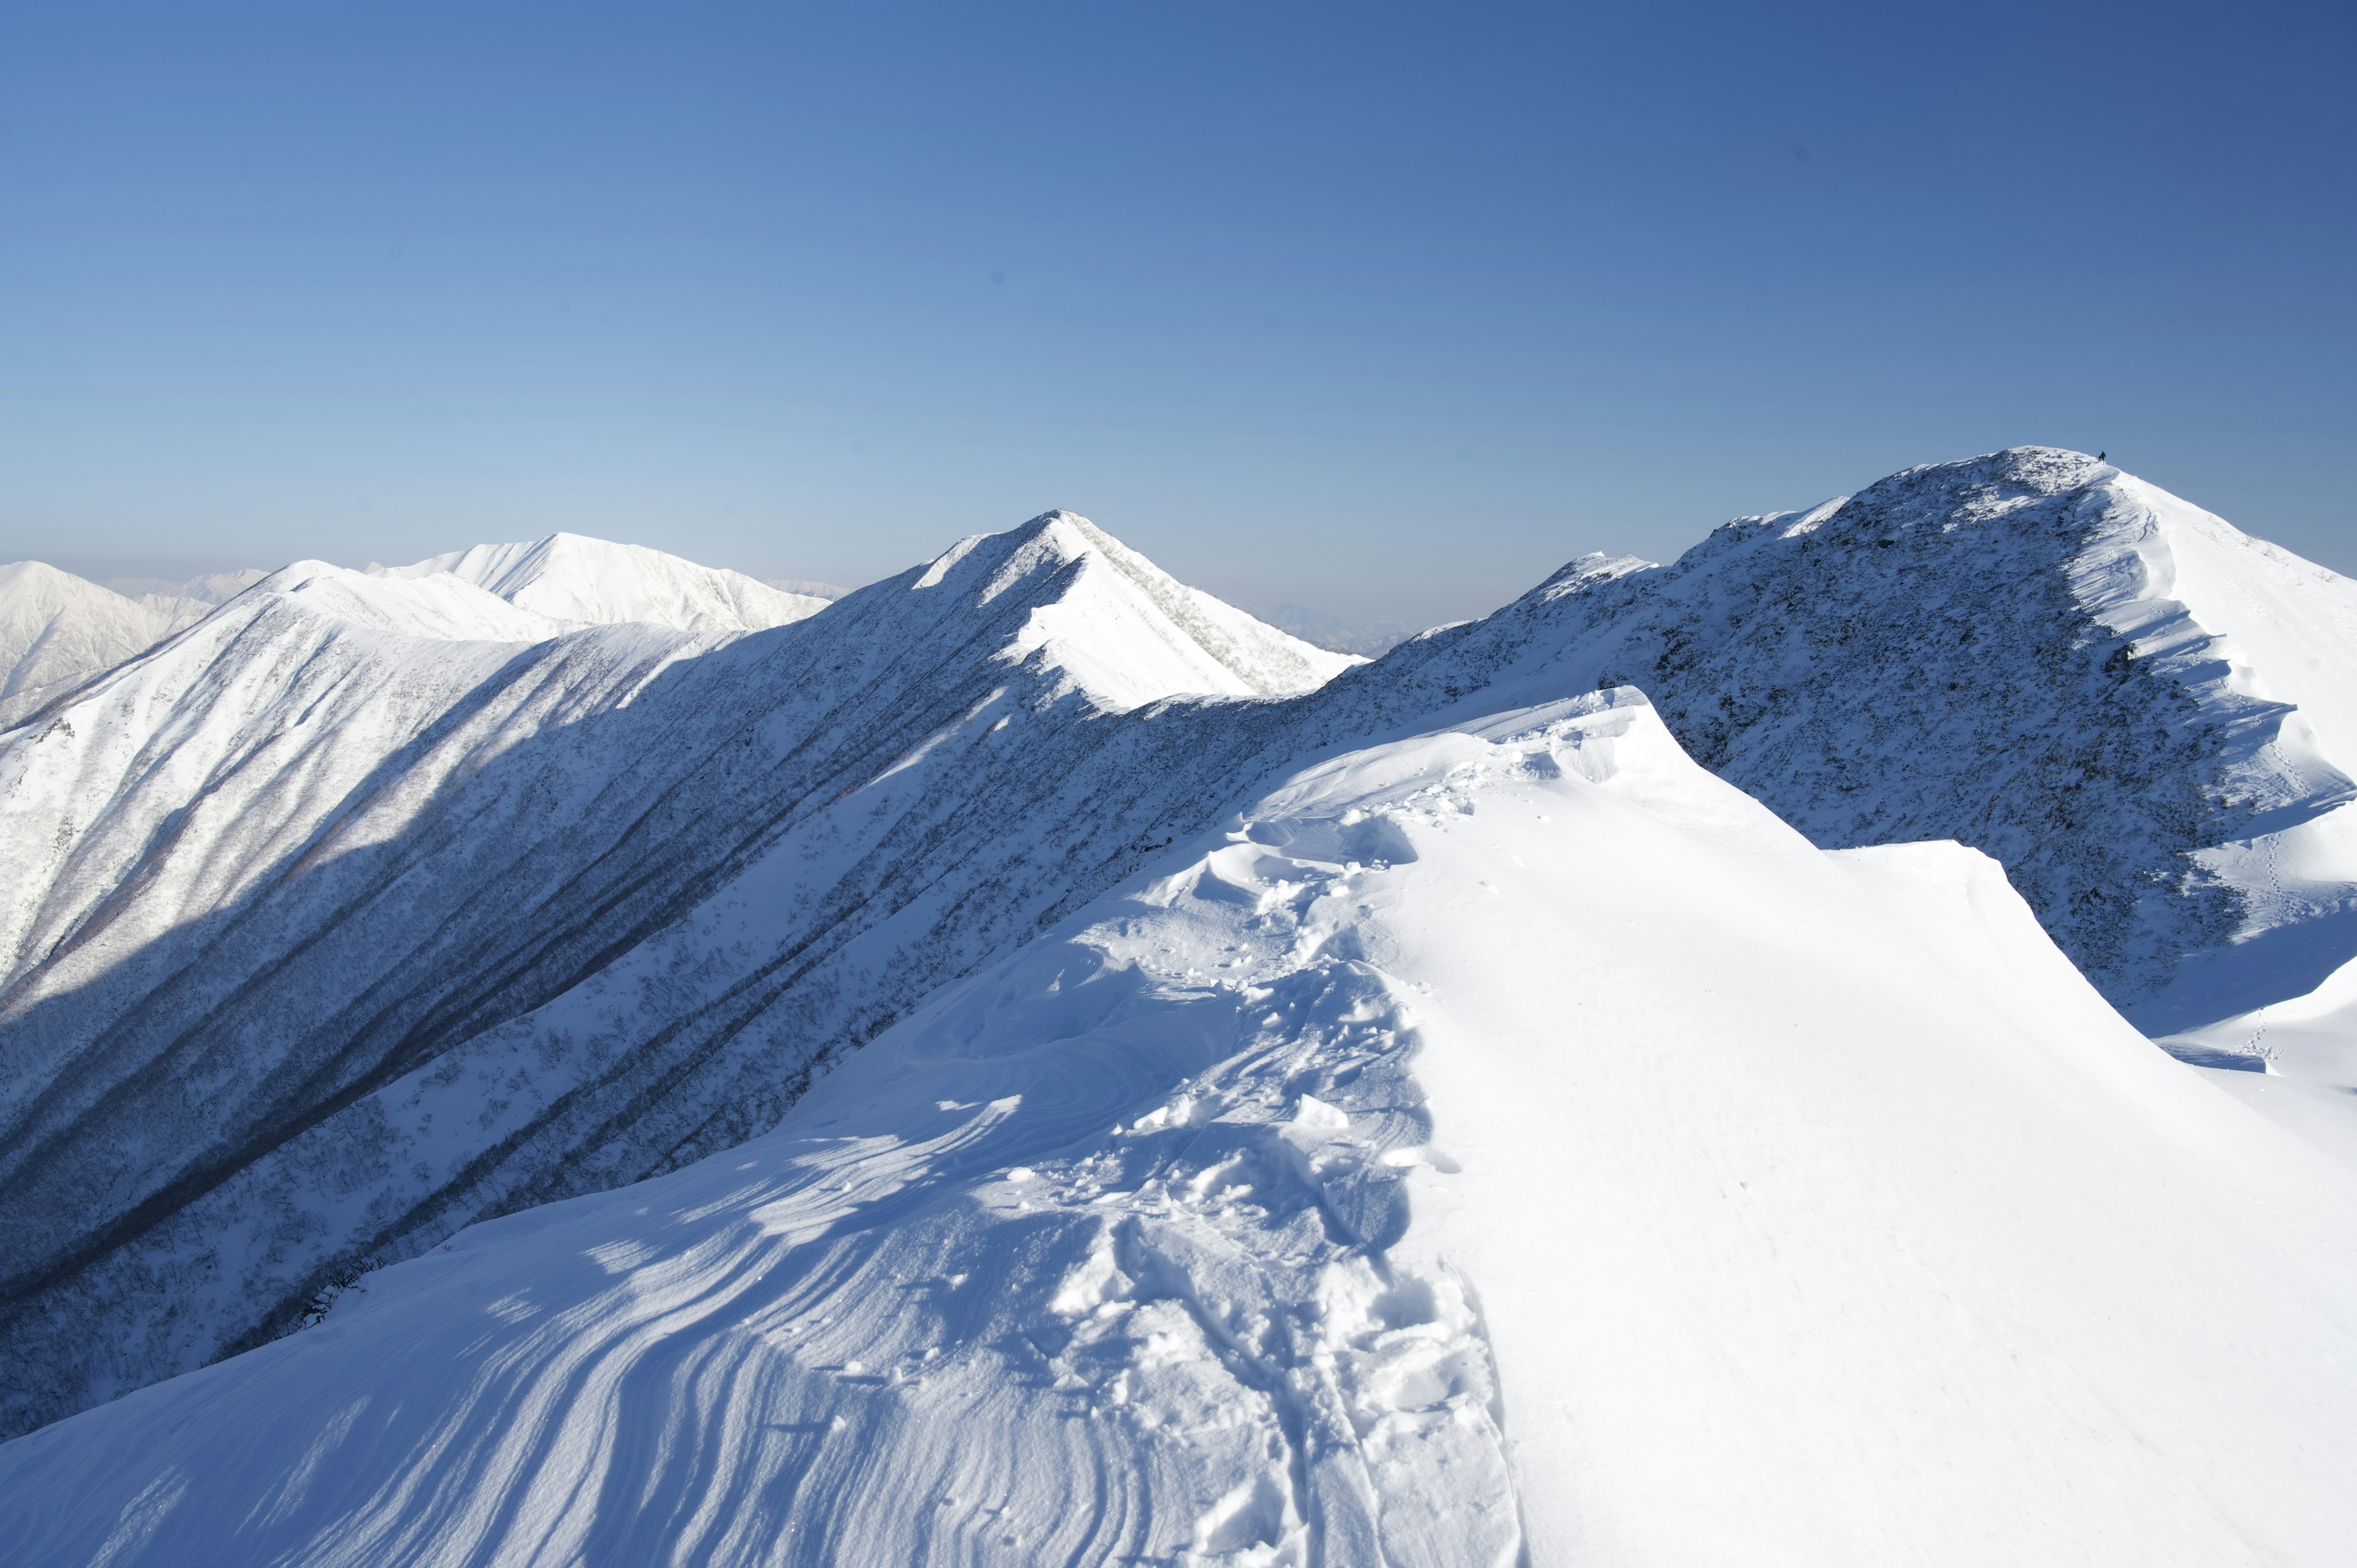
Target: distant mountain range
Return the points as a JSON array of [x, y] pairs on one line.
[[1127, 1081], [57, 630], [1340, 636]]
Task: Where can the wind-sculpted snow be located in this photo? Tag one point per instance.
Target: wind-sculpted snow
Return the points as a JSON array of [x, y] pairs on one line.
[[333, 924], [377, 904], [2142, 713], [1503, 1143]]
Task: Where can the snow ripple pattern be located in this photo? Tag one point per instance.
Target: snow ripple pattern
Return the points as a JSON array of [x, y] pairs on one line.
[[1092, 1261]]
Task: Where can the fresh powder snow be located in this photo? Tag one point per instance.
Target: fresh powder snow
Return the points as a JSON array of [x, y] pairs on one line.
[[1496, 1139], [1505, 1142]]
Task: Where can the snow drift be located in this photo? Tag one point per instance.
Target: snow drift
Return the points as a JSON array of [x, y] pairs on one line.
[[1508, 1141], [379, 904], [374, 903], [2145, 715]]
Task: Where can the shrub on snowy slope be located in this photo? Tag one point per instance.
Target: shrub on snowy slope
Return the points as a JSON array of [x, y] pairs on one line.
[[1507, 1144], [2143, 714], [497, 923], [374, 905]]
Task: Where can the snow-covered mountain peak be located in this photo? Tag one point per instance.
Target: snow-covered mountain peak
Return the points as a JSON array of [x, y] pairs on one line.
[[1517, 1066], [1588, 571], [56, 630], [1118, 627], [2147, 716], [324, 934], [1996, 490], [576, 580]]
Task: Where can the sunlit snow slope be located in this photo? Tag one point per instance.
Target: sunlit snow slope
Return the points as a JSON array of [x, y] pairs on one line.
[[2149, 717], [572, 579], [376, 903], [57, 630], [1505, 1143]]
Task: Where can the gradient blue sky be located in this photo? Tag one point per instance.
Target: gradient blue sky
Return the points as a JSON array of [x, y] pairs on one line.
[[1386, 310]]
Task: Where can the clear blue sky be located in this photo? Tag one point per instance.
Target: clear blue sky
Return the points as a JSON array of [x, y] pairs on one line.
[[1383, 309]]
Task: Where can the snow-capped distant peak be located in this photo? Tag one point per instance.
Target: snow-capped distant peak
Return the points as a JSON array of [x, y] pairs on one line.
[[58, 629], [571, 578], [439, 605], [1123, 629]]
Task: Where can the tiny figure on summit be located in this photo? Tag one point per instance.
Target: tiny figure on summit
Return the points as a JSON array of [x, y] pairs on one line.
[[2100, 457]]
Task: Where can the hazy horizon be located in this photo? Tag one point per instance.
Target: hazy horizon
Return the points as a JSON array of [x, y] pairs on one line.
[[1381, 312]]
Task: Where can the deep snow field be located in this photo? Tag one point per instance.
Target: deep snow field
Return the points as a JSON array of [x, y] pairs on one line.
[[1519, 1101], [1439, 1122]]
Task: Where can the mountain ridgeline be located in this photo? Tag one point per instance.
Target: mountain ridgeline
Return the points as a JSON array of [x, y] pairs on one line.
[[374, 905]]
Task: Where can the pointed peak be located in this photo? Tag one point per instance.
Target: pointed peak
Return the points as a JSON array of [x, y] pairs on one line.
[[1117, 625], [1068, 532]]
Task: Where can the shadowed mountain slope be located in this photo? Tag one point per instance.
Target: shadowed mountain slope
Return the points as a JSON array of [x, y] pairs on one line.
[[369, 907], [374, 905]]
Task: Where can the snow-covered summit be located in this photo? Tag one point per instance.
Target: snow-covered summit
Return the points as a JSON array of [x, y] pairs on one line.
[[572, 579], [353, 823], [2138, 709], [57, 630], [1126, 631]]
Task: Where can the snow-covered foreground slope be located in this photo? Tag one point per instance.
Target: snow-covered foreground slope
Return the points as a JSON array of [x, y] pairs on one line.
[[372, 903], [588, 582], [1505, 1139], [2145, 715]]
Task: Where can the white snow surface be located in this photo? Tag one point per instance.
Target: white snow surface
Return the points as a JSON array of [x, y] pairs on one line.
[[576, 581], [2284, 632], [2149, 717], [57, 630], [1128, 633], [374, 904], [1504, 1143]]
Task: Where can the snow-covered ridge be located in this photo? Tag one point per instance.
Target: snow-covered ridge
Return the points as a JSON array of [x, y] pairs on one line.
[[1128, 633], [2129, 703], [346, 918], [266, 880], [441, 606], [57, 630], [1506, 1143], [576, 581]]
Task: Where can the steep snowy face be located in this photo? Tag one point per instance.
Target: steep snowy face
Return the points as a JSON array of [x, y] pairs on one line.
[[57, 630], [2137, 709], [570, 579], [1507, 1142], [369, 906], [1127, 633]]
